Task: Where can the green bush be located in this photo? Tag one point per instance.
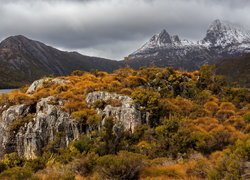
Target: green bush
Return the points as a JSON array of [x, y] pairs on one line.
[[173, 138], [231, 164], [227, 106], [94, 120], [84, 144], [78, 73], [99, 104], [13, 160], [124, 166], [200, 169], [2, 167], [84, 166], [222, 115], [211, 106], [247, 117], [16, 173], [35, 164], [148, 101]]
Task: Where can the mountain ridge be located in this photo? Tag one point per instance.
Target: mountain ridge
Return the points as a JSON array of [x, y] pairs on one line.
[[24, 60], [222, 40]]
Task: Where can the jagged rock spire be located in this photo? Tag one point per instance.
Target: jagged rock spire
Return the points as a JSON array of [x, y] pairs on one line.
[[223, 33], [164, 37]]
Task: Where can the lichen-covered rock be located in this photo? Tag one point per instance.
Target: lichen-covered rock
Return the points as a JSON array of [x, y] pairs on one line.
[[7, 136], [37, 85], [41, 82], [49, 125], [125, 114], [30, 129]]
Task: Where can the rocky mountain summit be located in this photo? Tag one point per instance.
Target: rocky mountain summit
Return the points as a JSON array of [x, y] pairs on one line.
[[223, 34], [223, 39]]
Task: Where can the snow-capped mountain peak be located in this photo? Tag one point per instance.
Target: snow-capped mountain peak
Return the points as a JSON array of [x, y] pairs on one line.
[[223, 39], [223, 33], [163, 40]]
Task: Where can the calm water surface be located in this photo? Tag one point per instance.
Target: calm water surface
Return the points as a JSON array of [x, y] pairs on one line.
[[2, 91]]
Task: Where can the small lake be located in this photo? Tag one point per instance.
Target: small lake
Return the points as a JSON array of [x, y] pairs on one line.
[[2, 91]]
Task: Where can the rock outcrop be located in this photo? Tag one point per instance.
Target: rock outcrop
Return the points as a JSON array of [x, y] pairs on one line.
[[126, 113], [30, 129], [49, 125], [7, 135], [41, 82]]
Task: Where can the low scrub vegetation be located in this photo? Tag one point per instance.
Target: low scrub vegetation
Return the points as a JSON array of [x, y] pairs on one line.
[[199, 128]]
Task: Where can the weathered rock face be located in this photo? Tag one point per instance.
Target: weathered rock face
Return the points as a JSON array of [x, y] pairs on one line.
[[29, 129], [50, 124], [7, 136], [125, 114]]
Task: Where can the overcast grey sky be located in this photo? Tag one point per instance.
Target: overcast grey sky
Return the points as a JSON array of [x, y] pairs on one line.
[[114, 28]]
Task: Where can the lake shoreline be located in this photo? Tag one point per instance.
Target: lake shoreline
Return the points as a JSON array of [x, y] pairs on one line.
[[4, 91]]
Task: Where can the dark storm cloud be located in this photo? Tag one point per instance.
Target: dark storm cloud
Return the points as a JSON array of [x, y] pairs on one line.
[[114, 28]]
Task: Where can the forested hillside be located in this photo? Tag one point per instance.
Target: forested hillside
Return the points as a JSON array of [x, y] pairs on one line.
[[152, 123], [236, 70]]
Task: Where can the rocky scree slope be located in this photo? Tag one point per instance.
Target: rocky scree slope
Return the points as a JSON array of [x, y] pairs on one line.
[[223, 39]]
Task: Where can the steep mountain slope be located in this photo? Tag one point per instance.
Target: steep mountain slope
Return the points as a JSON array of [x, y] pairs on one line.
[[236, 69], [222, 39], [23, 60]]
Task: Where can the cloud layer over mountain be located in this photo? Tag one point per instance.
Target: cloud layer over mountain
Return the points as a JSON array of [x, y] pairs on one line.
[[114, 28]]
